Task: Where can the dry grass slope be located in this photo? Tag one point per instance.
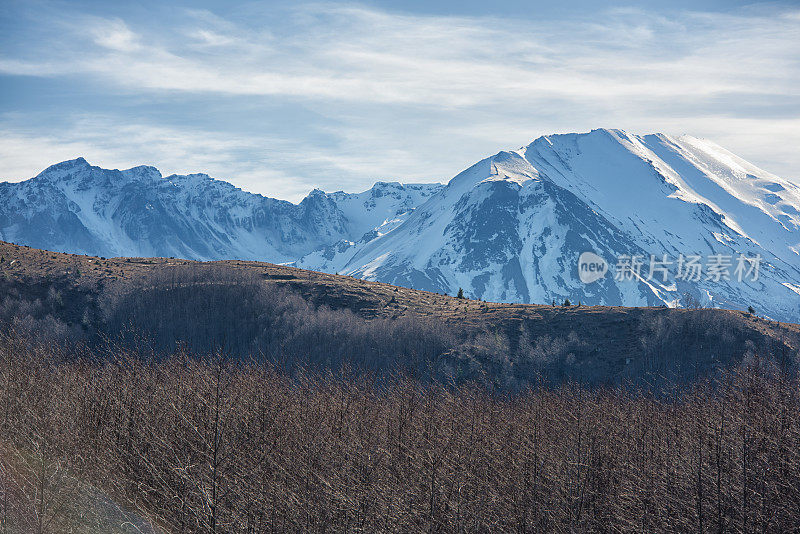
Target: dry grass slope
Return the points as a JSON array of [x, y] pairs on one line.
[[235, 304]]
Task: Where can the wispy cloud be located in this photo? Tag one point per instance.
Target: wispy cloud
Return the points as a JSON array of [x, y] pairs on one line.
[[172, 150], [114, 35], [257, 163], [356, 54], [419, 96]]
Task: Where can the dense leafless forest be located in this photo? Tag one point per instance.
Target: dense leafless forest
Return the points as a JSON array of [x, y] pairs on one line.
[[123, 442]]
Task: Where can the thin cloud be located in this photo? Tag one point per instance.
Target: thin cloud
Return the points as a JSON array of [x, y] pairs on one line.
[[114, 35], [105, 143], [359, 54], [419, 97]]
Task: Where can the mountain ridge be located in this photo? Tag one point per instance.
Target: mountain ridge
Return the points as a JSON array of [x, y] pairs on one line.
[[73, 206], [509, 228]]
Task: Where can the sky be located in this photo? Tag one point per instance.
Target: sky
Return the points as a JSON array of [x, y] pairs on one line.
[[282, 97]]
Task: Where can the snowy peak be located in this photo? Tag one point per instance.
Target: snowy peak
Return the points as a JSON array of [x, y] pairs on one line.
[[66, 167], [508, 166], [79, 166], [512, 226], [511, 167], [669, 156], [671, 179], [380, 205]]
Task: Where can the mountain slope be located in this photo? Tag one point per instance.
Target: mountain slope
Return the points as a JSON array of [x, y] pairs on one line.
[[511, 228], [507, 236]]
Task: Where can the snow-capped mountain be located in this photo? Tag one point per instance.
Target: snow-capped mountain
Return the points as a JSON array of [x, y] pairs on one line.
[[512, 227], [76, 207], [509, 228]]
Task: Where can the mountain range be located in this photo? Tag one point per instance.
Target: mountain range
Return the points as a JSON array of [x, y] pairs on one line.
[[510, 228]]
